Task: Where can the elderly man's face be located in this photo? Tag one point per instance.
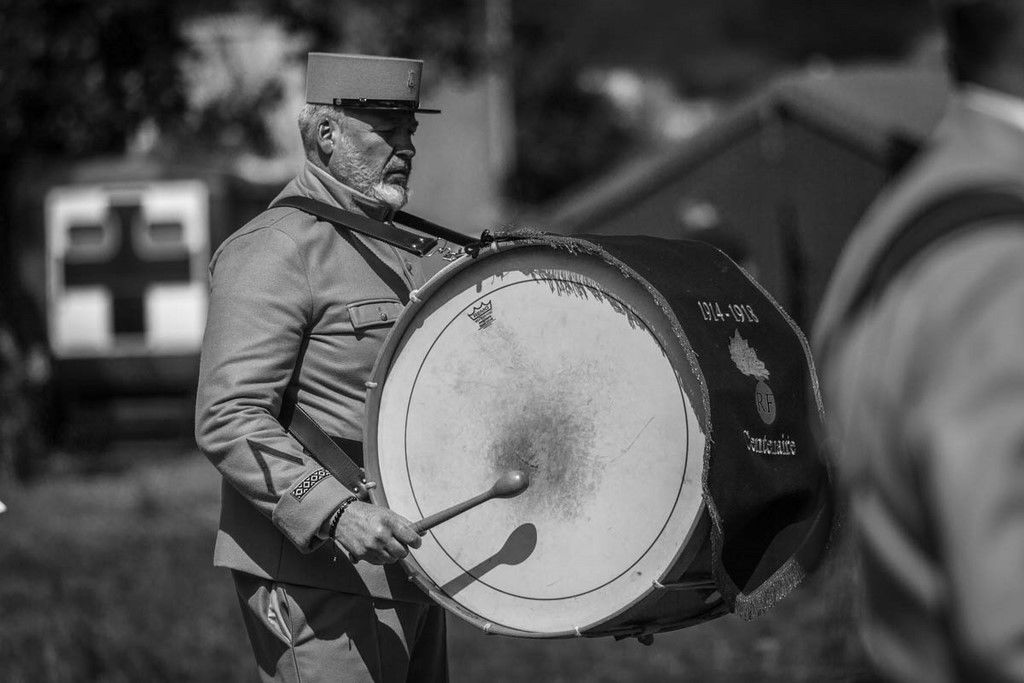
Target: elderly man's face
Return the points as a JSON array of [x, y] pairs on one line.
[[373, 153]]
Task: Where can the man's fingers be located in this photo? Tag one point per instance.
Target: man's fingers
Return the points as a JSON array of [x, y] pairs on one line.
[[378, 557], [355, 553], [372, 556], [377, 552], [387, 551], [406, 535], [376, 535], [403, 531], [395, 549]]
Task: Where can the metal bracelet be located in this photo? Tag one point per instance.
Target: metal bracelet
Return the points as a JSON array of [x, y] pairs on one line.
[[336, 516]]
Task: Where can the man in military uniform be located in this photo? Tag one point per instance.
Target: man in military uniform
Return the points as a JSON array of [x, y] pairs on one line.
[[299, 308], [923, 377]]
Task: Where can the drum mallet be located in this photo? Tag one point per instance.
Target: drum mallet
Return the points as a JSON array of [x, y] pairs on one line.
[[508, 485]]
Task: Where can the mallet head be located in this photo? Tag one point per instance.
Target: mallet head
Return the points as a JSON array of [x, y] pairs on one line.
[[511, 483]]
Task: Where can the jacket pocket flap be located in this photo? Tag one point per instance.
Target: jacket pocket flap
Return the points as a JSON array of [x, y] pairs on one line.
[[374, 312]]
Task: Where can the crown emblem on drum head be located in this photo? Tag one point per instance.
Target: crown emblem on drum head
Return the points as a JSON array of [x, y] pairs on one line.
[[482, 314]]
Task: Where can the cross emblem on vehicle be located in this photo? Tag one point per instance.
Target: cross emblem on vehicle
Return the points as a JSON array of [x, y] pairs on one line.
[[128, 272]]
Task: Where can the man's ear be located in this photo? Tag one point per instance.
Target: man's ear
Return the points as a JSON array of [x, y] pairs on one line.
[[325, 137]]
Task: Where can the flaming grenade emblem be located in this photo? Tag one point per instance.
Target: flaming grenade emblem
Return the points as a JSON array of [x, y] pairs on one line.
[[746, 360]]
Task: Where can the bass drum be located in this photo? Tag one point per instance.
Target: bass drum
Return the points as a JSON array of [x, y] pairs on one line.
[[551, 357]]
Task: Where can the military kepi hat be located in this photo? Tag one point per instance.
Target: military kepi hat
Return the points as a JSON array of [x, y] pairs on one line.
[[364, 81]]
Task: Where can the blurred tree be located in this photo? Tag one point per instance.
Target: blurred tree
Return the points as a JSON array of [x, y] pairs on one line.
[[797, 30], [78, 75], [708, 48], [726, 47], [444, 32], [565, 135], [235, 118]]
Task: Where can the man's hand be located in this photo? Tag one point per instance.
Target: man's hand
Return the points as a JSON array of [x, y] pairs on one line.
[[375, 534]]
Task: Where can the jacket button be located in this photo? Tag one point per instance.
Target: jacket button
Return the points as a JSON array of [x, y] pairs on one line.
[[408, 266], [383, 316]]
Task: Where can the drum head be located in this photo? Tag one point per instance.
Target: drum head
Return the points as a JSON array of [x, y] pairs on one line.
[[556, 364]]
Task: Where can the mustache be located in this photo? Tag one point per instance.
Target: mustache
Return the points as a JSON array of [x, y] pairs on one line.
[[398, 166]]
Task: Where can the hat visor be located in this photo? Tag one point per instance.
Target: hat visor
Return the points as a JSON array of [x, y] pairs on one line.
[[378, 105], [409, 109]]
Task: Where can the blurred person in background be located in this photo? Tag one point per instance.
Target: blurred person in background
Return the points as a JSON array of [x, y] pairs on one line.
[[920, 342], [299, 308]]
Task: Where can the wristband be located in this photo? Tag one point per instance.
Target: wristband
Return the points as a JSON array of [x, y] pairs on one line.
[[336, 517]]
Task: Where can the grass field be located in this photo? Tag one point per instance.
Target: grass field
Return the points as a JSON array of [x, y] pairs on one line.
[[107, 577]]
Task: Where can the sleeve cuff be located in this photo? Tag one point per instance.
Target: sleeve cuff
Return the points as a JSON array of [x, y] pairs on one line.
[[303, 509]]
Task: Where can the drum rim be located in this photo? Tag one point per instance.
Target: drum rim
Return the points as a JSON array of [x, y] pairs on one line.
[[383, 363]]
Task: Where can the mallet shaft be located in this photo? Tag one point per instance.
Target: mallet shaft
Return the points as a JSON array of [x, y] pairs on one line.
[[433, 520], [508, 485]]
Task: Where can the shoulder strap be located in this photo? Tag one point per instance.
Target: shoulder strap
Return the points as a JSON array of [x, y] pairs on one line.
[[423, 225], [328, 453], [960, 211], [385, 232]]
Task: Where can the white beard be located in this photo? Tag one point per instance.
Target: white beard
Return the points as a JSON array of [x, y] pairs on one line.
[[355, 171], [394, 196]]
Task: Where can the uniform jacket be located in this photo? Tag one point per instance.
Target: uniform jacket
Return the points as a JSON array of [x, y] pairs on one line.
[[925, 400], [298, 311]]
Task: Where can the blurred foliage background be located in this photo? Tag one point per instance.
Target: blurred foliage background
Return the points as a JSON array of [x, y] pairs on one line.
[[82, 78]]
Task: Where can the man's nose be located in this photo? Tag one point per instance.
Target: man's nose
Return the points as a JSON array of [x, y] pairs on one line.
[[403, 145]]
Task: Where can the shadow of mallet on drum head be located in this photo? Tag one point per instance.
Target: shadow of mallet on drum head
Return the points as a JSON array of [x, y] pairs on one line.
[[516, 549]]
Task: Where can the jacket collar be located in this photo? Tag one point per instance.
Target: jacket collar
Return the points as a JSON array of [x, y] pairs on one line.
[[316, 183]]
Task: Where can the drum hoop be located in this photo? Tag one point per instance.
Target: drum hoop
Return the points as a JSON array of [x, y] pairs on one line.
[[382, 365]]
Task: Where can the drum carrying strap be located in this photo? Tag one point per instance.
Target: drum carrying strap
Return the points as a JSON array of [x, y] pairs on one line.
[[385, 232], [326, 451]]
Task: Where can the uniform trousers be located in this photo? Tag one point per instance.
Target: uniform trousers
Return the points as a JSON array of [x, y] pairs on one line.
[[301, 634]]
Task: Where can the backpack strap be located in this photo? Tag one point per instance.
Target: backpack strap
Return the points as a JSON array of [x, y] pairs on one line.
[[949, 215]]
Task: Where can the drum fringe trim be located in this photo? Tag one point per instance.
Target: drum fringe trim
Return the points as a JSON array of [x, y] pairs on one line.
[[791, 573], [780, 584], [572, 245]]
